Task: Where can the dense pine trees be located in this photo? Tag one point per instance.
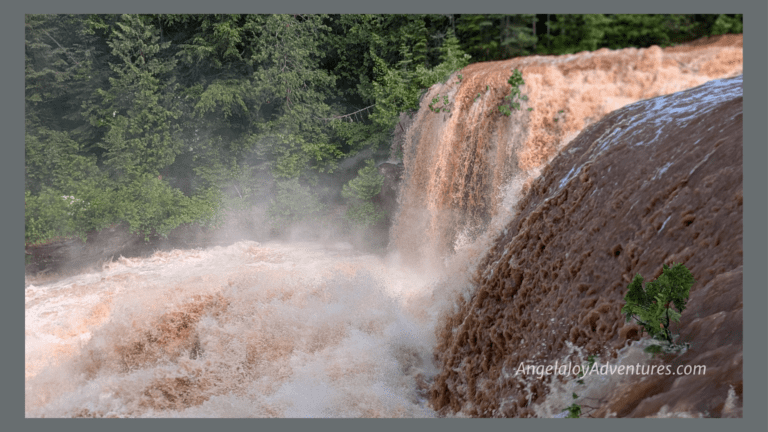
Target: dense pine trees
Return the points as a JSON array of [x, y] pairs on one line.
[[160, 120]]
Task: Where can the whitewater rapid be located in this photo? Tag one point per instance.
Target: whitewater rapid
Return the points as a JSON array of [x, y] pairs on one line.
[[248, 330]]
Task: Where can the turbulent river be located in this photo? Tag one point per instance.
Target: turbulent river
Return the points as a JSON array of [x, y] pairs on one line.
[[322, 329], [248, 330]]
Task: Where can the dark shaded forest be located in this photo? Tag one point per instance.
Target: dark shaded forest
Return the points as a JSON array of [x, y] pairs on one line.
[[162, 121]]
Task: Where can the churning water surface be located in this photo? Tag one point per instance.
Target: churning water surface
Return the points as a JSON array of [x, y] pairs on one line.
[[248, 330]]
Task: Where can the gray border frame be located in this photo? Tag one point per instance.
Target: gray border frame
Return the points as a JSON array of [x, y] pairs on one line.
[[755, 206]]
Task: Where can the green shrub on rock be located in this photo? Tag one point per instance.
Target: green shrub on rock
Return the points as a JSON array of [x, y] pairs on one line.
[[510, 101], [661, 301]]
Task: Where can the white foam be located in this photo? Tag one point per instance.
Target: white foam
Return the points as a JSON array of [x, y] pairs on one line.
[[329, 333]]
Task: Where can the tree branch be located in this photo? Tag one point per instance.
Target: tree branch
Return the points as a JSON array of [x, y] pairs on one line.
[[64, 49], [347, 115]]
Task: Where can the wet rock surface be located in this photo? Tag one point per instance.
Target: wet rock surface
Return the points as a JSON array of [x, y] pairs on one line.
[[387, 198], [655, 182]]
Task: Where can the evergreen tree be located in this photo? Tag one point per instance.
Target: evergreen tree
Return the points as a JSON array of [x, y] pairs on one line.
[[496, 37], [138, 109]]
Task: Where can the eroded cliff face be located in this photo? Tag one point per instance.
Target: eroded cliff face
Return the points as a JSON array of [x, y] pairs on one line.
[[658, 181], [464, 168]]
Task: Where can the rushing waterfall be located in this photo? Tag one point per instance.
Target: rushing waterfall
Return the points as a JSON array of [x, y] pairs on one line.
[[464, 168], [322, 330]]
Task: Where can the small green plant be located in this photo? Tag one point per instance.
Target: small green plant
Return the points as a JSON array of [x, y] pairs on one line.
[[574, 410], [436, 100], [460, 77], [516, 80], [432, 104], [658, 304]]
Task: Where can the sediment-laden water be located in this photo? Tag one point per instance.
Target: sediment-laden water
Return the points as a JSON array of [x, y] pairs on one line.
[[248, 330], [323, 330]]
